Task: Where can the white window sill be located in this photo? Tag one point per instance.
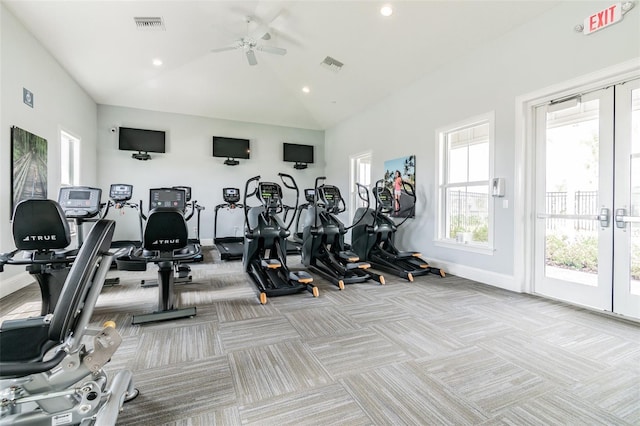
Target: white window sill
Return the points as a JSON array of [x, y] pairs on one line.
[[473, 248]]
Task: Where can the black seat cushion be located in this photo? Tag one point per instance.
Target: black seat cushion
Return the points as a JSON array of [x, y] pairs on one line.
[[27, 340], [166, 230], [40, 225]]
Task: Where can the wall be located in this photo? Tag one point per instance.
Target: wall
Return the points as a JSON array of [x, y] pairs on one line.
[[59, 103], [546, 51], [188, 161]]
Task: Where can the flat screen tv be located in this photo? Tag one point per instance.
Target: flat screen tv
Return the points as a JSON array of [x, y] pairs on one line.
[[141, 140], [296, 153], [231, 147]]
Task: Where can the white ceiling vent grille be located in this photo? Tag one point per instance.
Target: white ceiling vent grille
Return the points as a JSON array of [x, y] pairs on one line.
[[331, 64], [154, 23]]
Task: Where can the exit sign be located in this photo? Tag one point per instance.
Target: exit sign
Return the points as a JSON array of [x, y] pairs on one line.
[[603, 19]]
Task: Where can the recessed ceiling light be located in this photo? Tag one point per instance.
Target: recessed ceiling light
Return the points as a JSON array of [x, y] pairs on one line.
[[157, 62], [386, 10], [306, 89]]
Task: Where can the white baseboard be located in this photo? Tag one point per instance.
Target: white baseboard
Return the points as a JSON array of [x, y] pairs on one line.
[[15, 283], [506, 282]]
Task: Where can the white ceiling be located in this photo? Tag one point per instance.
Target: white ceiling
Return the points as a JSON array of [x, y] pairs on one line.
[[98, 43]]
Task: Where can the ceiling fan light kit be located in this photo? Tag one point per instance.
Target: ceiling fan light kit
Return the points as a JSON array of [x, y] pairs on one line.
[[250, 45]]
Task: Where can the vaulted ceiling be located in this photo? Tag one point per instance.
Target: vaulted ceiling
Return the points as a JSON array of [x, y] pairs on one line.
[[102, 48]]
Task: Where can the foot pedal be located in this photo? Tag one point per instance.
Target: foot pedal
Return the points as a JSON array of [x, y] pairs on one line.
[[270, 263], [359, 265], [348, 256], [301, 277], [407, 254]]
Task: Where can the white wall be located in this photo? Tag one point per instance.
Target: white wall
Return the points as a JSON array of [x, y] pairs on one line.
[[59, 103], [189, 162], [544, 52]]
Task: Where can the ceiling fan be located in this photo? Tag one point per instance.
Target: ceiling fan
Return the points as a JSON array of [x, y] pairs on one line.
[[250, 44]]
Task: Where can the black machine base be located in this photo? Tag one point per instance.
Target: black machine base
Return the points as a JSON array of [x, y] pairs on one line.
[[164, 315]]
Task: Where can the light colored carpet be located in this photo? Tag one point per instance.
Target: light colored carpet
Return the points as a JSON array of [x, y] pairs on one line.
[[435, 351]]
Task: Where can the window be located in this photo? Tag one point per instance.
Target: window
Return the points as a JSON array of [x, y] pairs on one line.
[[465, 213], [69, 165], [360, 173], [69, 159]]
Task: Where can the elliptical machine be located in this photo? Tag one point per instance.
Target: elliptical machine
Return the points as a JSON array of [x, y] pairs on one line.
[[323, 248], [296, 236], [372, 236], [265, 245]]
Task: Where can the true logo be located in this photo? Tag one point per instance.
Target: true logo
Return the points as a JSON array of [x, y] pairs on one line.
[[170, 241], [51, 237]]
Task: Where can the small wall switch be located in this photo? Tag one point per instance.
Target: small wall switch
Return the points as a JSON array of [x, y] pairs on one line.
[[505, 204]]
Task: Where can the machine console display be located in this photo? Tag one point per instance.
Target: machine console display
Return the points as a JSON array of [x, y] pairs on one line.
[[330, 195], [187, 192], [384, 197], [121, 192], [167, 197], [269, 193], [80, 201], [231, 195], [309, 195]]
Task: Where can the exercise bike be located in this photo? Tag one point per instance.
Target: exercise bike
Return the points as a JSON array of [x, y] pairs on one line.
[[42, 234], [42, 237], [323, 248], [373, 233], [49, 373], [165, 243], [265, 251]]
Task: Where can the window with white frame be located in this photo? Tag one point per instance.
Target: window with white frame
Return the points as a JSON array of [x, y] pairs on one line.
[[465, 210], [69, 165], [69, 159], [360, 173]]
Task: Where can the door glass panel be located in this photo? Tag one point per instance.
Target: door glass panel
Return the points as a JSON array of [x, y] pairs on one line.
[[634, 209], [572, 179]]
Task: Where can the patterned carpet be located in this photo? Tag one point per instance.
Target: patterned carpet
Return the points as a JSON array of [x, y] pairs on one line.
[[435, 351]]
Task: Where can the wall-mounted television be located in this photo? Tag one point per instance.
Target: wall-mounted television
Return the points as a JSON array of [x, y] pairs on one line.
[[296, 153], [231, 147], [141, 140]]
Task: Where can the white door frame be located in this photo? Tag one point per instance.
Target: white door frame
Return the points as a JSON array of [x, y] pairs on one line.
[[524, 176], [597, 294]]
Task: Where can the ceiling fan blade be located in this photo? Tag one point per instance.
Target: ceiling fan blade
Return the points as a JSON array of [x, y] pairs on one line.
[[251, 57], [224, 49], [272, 49]]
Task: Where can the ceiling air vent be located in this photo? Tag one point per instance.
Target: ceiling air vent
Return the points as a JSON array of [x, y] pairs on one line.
[[154, 23], [332, 64]]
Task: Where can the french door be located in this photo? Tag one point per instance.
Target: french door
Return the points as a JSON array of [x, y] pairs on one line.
[[587, 228]]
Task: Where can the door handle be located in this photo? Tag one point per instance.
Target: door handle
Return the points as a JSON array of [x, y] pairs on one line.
[[603, 217], [620, 214], [622, 219]]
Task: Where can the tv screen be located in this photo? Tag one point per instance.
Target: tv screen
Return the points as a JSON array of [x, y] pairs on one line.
[[230, 147], [141, 140], [296, 153]]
